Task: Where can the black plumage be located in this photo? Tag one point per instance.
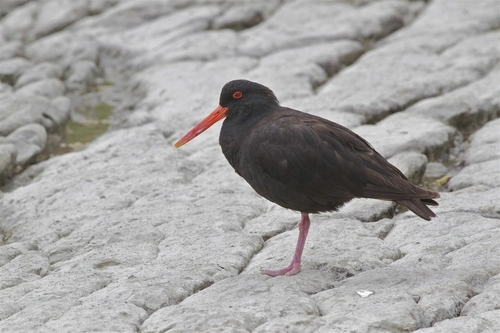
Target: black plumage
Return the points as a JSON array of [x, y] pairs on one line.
[[303, 162]]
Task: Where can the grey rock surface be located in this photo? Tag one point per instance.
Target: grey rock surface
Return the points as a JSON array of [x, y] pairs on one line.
[[39, 72], [55, 15], [8, 5], [10, 49], [19, 20], [11, 68], [17, 110], [8, 154], [29, 140], [484, 144], [81, 76], [50, 88], [63, 48], [133, 235]]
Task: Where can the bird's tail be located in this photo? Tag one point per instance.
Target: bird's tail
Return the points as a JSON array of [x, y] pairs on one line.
[[419, 207]]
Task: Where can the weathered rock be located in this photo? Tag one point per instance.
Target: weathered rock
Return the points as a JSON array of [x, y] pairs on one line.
[[24, 268], [486, 301], [369, 314], [139, 236], [80, 77], [8, 5], [188, 24], [62, 48], [323, 22], [8, 155], [485, 144], [292, 324], [19, 21], [442, 244], [56, 117], [301, 69], [467, 107], [482, 158], [408, 132], [17, 111], [5, 89], [263, 300], [142, 242], [420, 303], [29, 140], [49, 88], [10, 69], [435, 170], [484, 322], [39, 72], [410, 74], [245, 15], [10, 49], [98, 6], [56, 14], [484, 173], [484, 203]]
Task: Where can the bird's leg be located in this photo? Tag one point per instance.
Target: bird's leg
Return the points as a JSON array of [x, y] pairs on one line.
[[294, 266]]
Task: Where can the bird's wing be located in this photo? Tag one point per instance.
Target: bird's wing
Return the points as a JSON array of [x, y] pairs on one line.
[[325, 160]]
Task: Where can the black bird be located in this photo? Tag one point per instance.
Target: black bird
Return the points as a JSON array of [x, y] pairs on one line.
[[303, 162]]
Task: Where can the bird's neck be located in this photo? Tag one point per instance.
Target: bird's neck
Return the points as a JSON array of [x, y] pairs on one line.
[[238, 125]]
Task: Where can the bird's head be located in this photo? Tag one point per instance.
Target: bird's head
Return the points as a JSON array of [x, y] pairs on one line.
[[238, 93], [236, 96]]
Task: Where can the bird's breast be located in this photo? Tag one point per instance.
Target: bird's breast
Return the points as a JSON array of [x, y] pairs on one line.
[[231, 144]]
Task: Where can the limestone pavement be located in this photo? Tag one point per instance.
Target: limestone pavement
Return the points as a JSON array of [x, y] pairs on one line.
[[132, 235]]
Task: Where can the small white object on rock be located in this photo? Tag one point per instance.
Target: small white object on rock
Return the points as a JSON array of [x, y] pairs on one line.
[[365, 293]]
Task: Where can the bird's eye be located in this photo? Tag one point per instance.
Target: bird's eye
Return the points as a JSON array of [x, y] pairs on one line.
[[237, 94]]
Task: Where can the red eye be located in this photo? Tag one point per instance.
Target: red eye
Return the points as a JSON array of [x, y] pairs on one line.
[[237, 94]]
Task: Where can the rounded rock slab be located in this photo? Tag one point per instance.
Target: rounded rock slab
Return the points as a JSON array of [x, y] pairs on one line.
[[38, 72], [8, 154], [29, 140], [50, 88]]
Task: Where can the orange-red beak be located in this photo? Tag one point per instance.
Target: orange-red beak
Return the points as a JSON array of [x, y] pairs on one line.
[[216, 115]]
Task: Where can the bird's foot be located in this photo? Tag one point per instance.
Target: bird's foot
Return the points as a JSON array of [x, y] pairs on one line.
[[294, 266], [292, 269]]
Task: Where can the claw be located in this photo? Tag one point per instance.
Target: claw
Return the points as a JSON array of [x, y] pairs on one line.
[[292, 269]]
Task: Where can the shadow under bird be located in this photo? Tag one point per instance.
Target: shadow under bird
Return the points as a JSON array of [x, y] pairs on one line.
[[303, 162]]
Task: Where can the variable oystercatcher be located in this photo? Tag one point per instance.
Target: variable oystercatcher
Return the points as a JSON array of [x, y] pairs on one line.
[[303, 162]]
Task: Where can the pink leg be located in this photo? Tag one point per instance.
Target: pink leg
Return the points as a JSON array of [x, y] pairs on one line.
[[294, 266]]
